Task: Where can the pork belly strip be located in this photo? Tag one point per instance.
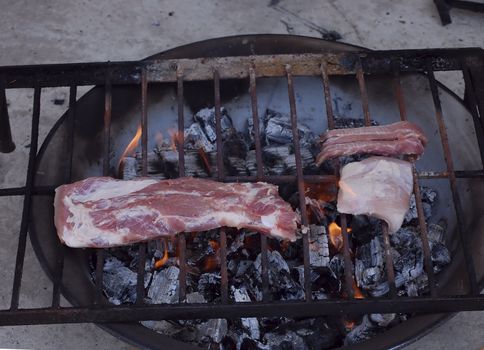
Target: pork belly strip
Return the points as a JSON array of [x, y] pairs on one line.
[[377, 186], [396, 131], [408, 146], [104, 212]]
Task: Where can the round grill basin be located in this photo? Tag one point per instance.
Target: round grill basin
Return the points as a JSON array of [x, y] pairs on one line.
[[77, 285]]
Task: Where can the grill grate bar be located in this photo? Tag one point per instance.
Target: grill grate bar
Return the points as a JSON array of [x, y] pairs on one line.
[[142, 247], [59, 268], [472, 105], [336, 163], [24, 225], [418, 196], [386, 239], [300, 183], [182, 277], [123, 313], [6, 142], [260, 177], [224, 284], [469, 260]]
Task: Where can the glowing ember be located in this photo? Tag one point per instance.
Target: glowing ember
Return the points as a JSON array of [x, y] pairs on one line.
[[211, 261], [176, 139], [321, 191], [357, 292], [349, 324], [206, 162], [133, 144], [159, 263]]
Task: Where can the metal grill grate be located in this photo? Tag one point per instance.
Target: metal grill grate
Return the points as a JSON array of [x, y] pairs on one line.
[[358, 64]]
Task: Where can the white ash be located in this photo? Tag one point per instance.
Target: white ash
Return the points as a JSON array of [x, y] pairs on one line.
[[318, 246], [250, 324], [288, 339], [215, 329], [164, 286]]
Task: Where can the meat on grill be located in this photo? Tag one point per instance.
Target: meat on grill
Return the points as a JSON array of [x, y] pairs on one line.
[[389, 140], [105, 212], [377, 186]]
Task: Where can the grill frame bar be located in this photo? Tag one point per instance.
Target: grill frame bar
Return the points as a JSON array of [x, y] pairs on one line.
[[253, 67]]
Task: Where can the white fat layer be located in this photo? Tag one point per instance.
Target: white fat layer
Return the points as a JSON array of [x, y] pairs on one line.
[[377, 186], [112, 189]]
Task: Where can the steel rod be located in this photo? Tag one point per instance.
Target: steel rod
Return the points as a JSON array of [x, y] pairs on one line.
[[24, 225], [296, 309], [260, 177], [6, 142], [337, 166], [300, 183], [469, 260]]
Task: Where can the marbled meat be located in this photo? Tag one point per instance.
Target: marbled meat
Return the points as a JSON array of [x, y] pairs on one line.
[[402, 138], [377, 186], [105, 212]]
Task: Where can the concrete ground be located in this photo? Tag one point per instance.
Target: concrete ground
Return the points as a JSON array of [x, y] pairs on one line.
[[52, 31]]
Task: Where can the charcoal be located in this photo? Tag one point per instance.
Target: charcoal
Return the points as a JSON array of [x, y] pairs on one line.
[[250, 324], [345, 123], [168, 328], [436, 232], [364, 228], [316, 208], [369, 264], [195, 297], [164, 286], [209, 285], [365, 330], [214, 329], [382, 320], [246, 343], [279, 160], [195, 139], [287, 341], [440, 256], [280, 280], [206, 118], [428, 199], [119, 282], [277, 129], [337, 265], [318, 246]]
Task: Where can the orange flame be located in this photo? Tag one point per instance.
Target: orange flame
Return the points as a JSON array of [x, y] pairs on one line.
[[206, 162], [211, 261], [176, 139], [159, 263], [336, 236], [321, 191], [132, 145], [357, 292], [349, 324]]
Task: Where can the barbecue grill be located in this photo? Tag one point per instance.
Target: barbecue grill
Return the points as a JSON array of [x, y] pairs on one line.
[[188, 71]]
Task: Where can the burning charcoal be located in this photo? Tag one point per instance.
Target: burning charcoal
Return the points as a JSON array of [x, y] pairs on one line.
[[318, 246], [130, 167], [365, 330], [164, 286], [206, 118], [287, 341], [337, 265], [278, 129], [281, 282], [369, 264], [209, 285], [214, 329], [250, 324], [195, 139], [119, 282], [428, 199]]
